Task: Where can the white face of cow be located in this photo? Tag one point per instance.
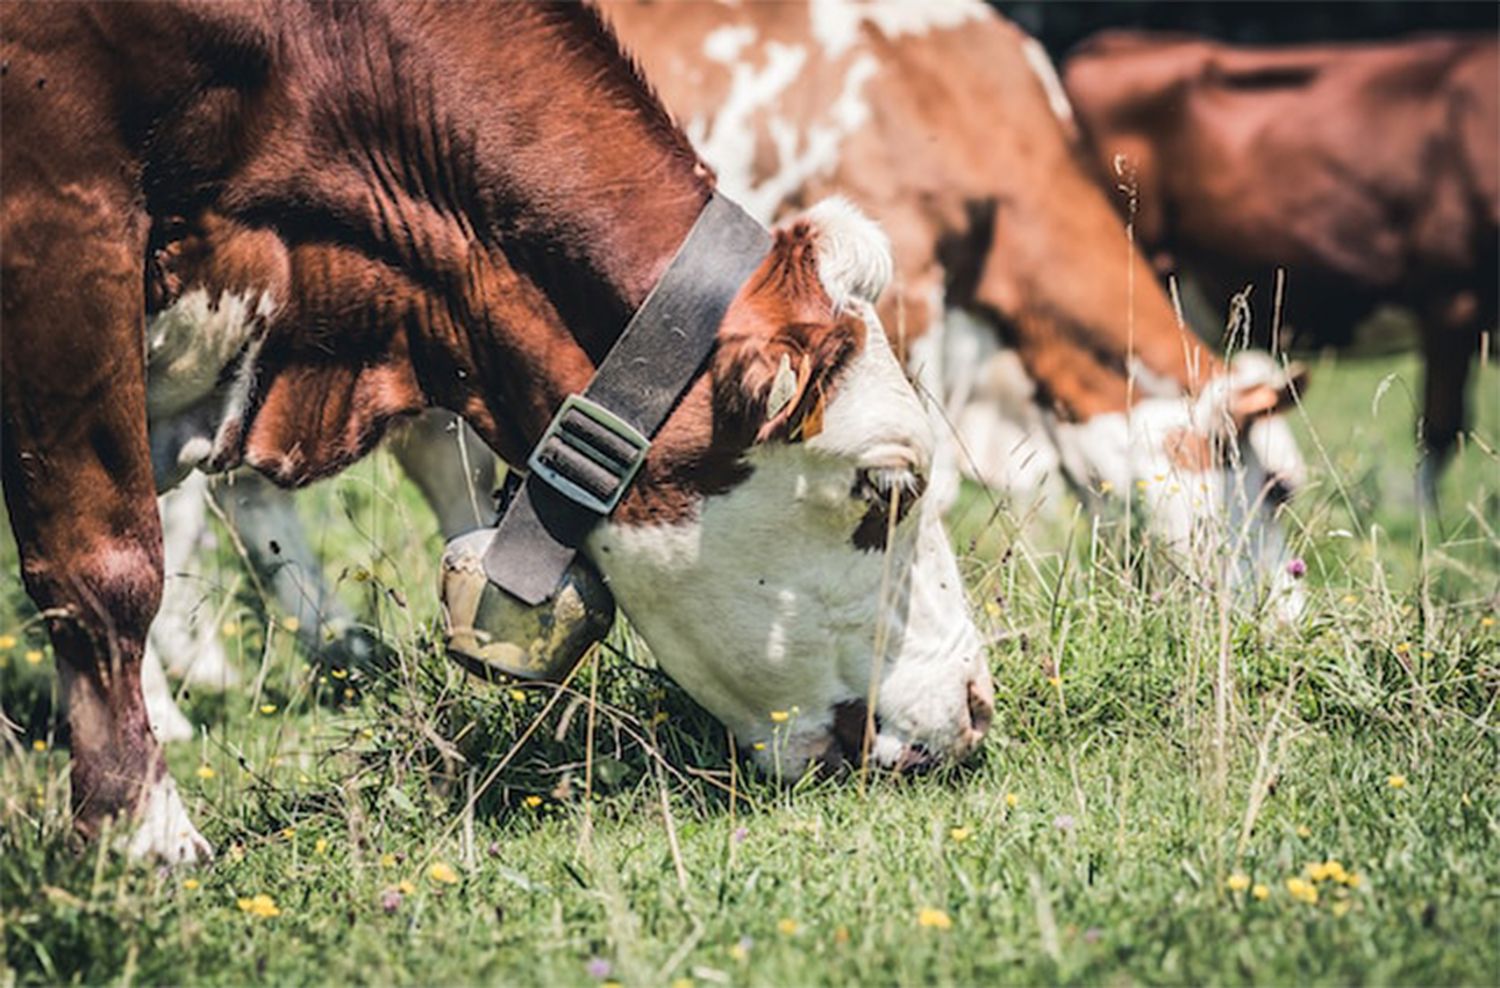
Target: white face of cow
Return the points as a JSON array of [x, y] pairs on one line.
[[782, 607], [1213, 473]]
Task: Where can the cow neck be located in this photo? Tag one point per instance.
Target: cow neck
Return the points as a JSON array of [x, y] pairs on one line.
[[592, 204]]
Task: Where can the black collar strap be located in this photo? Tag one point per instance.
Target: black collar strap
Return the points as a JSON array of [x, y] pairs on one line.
[[598, 440]]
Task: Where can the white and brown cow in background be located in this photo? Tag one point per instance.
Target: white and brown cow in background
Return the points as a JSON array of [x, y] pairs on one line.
[[370, 209]]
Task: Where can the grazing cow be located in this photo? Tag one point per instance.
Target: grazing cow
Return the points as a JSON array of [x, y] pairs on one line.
[[271, 230], [1370, 172], [949, 123]]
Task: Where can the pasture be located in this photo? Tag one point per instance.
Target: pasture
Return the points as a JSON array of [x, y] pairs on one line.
[[1172, 792]]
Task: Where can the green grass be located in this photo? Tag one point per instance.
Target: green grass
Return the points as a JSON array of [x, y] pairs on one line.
[[1093, 842]]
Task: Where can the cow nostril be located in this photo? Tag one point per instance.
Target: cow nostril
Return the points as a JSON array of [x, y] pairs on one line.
[[981, 705], [916, 760]]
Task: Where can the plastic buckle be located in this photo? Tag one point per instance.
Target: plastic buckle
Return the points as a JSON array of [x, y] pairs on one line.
[[588, 454]]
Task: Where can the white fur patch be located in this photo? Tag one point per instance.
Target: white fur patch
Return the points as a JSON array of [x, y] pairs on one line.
[[854, 254], [165, 831], [1041, 66], [836, 23], [189, 344]]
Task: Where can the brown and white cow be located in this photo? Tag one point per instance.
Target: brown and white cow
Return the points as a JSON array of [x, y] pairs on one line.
[[948, 122], [1370, 172], [385, 206]]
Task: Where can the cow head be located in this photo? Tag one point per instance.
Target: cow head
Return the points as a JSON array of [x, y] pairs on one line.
[[1213, 472], [776, 552]]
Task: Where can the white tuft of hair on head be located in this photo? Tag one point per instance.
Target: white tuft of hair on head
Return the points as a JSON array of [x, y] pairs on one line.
[[854, 254]]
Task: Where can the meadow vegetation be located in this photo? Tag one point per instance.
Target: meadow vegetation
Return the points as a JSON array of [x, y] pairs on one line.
[[1174, 791]]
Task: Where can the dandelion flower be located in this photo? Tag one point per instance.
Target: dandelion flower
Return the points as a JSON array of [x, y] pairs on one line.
[[38, 745], [268, 708], [786, 927], [261, 906], [518, 696], [320, 845], [992, 608], [934, 919], [1396, 781], [339, 673], [190, 884], [291, 624], [289, 833], [682, 983], [405, 887], [442, 872], [1487, 622], [740, 950], [1261, 893], [1055, 682], [1340, 908], [532, 802], [387, 860], [34, 656], [779, 716], [959, 834], [1402, 648], [1237, 882], [204, 772], [1349, 599], [1012, 800], [1302, 891], [759, 746], [1304, 831], [7, 641], [229, 629]]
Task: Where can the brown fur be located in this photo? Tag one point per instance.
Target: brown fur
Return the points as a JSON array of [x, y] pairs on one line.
[[1370, 172]]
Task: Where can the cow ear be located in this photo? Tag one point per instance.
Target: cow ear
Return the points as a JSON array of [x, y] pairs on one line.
[[1259, 399], [777, 387]]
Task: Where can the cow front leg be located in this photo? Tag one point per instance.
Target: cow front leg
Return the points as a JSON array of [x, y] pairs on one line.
[[452, 467], [79, 488], [1450, 337]]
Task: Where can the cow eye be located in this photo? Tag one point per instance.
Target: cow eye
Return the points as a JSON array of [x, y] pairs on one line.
[[874, 485]]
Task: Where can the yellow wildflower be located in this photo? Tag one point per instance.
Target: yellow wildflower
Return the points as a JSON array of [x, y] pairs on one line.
[[959, 834], [1260, 892], [268, 708], [992, 608], [518, 695], [682, 983], [204, 772], [230, 629], [7, 641], [339, 673], [34, 656], [1304, 831], [288, 833], [532, 801], [759, 746], [1055, 682], [1302, 891], [738, 951], [1237, 882], [1396, 781], [1487, 622], [291, 624], [934, 919], [1012, 800], [1142, 484], [261, 906], [1402, 648], [786, 927], [348, 692], [442, 872], [190, 884], [779, 716], [405, 887], [320, 845], [38, 745], [1349, 599], [1353, 879], [1341, 907], [387, 860]]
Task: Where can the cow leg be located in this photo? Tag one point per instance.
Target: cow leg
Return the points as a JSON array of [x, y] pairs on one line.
[[266, 520], [182, 636], [80, 492], [433, 451], [1450, 335]]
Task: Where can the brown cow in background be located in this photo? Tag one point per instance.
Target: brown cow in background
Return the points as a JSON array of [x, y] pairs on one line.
[[1371, 173]]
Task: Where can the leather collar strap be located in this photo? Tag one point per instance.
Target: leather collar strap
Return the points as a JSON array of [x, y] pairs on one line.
[[586, 459]]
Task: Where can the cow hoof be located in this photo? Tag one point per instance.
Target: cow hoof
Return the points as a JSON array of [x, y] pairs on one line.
[[165, 833]]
